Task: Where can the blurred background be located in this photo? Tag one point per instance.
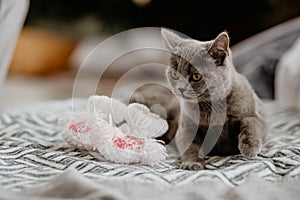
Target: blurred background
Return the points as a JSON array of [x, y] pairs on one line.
[[198, 19], [57, 36]]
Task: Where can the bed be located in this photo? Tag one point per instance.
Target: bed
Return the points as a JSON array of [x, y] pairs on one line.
[[32, 153], [36, 163]]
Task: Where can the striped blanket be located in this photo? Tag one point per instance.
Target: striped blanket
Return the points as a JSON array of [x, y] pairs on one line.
[[32, 152]]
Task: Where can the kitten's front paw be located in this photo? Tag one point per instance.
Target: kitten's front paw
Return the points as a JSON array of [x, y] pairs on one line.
[[248, 145], [192, 166]]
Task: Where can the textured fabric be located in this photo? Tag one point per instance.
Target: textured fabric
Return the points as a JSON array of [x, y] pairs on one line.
[[73, 185], [32, 152], [257, 57]]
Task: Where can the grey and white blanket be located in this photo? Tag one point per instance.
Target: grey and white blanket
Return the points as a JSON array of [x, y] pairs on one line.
[[32, 153]]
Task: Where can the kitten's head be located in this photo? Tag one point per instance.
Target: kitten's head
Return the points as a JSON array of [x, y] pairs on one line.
[[200, 71]]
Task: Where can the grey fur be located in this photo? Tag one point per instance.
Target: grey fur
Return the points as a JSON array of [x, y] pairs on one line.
[[221, 101]]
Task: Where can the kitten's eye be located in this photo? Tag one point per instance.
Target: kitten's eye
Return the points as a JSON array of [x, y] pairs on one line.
[[196, 77], [174, 75]]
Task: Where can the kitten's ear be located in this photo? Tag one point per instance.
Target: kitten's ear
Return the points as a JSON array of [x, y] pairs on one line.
[[219, 48], [171, 39]]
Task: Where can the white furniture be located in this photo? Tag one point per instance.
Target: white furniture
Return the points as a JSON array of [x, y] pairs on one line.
[[12, 15]]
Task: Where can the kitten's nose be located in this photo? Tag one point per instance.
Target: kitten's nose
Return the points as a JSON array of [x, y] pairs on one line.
[[181, 90]]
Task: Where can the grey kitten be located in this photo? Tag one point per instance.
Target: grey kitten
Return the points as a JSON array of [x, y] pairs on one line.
[[219, 113]]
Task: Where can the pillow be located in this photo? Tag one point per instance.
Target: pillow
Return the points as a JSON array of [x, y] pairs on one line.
[[287, 82], [257, 57]]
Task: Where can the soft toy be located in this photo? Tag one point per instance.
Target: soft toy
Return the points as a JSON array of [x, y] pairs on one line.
[[122, 134]]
